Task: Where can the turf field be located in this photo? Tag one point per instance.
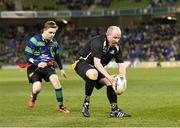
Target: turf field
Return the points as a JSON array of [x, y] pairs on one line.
[[152, 97]]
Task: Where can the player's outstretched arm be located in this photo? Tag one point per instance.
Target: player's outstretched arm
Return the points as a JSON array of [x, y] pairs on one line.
[[100, 68], [122, 69]]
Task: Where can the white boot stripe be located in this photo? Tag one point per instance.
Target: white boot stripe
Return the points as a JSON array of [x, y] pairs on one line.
[[120, 114]]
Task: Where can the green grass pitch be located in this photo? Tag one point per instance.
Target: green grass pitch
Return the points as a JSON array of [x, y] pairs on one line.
[[152, 97]]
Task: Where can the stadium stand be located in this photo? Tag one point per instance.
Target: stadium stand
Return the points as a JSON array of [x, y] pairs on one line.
[[82, 4], [144, 42]]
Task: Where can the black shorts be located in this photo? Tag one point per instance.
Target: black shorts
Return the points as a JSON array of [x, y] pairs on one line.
[[81, 69], [39, 74]]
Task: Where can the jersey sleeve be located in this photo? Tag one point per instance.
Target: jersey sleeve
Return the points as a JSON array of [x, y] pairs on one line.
[[96, 48], [30, 48], [57, 49], [57, 58], [31, 45]]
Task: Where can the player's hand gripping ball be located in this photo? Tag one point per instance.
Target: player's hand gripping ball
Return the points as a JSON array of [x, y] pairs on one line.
[[120, 85]]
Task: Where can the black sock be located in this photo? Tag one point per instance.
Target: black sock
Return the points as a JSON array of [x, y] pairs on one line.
[[112, 97], [87, 99], [60, 106], [114, 106], [34, 96], [89, 86]]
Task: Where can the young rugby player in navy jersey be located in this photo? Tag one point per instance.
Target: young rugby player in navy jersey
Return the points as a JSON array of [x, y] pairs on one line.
[[42, 51]]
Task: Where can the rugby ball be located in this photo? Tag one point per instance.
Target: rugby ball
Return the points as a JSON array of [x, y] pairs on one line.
[[120, 85]]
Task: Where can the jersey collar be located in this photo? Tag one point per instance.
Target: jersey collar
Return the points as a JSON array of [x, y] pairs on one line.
[[46, 41], [106, 47]]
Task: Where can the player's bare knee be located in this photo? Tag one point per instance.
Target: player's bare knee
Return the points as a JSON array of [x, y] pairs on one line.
[[53, 77], [92, 74], [37, 87], [55, 81]]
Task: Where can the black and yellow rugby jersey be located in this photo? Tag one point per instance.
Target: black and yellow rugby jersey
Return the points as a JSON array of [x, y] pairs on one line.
[[98, 47]]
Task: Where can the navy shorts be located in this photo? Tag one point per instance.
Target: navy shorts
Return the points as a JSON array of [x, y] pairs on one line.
[[81, 69], [39, 74]]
